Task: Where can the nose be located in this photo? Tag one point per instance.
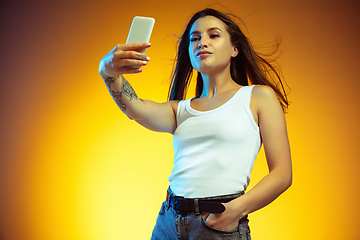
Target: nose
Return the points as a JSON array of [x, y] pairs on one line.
[[203, 43]]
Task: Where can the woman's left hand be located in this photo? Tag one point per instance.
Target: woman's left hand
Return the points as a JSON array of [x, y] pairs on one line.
[[227, 220]]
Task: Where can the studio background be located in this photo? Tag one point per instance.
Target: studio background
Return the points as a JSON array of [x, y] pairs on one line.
[[73, 167]]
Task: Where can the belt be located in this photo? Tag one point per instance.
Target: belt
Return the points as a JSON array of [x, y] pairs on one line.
[[196, 205]]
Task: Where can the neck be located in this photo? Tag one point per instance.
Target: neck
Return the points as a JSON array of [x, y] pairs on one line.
[[216, 83]]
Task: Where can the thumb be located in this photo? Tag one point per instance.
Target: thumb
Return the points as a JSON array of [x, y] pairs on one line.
[[206, 215]]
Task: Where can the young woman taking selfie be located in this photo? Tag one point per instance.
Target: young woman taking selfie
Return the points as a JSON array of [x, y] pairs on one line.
[[217, 134]]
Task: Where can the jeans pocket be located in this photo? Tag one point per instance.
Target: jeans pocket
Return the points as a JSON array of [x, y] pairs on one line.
[[236, 230]]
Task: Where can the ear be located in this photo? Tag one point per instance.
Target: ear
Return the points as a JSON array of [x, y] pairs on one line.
[[235, 52]]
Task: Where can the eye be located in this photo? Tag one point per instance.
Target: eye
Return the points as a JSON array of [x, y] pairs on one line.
[[214, 35], [194, 39]]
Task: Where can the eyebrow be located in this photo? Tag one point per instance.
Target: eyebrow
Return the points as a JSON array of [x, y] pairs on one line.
[[210, 29]]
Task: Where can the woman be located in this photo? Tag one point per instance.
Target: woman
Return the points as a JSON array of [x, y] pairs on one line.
[[217, 134]]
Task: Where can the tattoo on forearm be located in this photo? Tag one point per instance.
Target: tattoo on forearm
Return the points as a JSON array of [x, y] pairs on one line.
[[110, 80], [118, 98], [128, 90], [117, 94]]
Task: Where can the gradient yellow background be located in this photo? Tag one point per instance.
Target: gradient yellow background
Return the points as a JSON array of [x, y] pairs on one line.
[[73, 167]]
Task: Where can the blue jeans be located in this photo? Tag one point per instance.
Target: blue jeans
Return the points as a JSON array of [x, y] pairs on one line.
[[173, 225]]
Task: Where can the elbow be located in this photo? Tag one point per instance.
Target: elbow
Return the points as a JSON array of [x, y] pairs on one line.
[[284, 176], [132, 115], [128, 115], [290, 178], [287, 181], [287, 176], [284, 179], [284, 185]]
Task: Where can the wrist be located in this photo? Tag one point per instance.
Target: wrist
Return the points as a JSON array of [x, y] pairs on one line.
[[241, 207], [103, 75]]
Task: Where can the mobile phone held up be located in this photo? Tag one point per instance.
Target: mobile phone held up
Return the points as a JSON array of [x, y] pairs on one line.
[[140, 30]]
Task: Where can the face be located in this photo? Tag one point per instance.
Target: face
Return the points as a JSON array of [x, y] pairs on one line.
[[210, 48]]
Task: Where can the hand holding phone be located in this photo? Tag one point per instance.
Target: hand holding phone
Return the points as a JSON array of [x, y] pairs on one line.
[[122, 59], [140, 31]]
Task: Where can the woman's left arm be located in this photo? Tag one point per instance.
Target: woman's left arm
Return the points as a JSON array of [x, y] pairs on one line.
[[275, 140], [274, 137]]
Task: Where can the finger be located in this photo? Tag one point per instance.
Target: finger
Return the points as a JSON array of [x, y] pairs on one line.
[[141, 56], [133, 46], [131, 55], [129, 63], [206, 215]]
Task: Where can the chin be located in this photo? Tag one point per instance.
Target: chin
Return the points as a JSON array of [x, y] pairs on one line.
[[203, 68]]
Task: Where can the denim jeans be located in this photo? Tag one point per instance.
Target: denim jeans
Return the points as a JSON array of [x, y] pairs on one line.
[[173, 225]]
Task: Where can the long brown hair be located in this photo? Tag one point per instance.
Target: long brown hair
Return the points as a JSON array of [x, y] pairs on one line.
[[247, 66]]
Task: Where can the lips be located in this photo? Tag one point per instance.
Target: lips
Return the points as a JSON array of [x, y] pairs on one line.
[[203, 53]]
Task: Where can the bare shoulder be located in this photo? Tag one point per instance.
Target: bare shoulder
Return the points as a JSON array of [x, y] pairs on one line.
[[264, 101], [263, 92], [264, 95]]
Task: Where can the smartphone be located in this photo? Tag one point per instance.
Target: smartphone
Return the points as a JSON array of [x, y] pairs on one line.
[[140, 30]]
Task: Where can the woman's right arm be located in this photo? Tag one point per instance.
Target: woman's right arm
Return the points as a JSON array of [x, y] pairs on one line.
[[124, 59]]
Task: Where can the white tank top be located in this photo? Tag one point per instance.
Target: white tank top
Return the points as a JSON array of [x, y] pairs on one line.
[[214, 150]]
